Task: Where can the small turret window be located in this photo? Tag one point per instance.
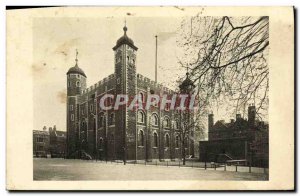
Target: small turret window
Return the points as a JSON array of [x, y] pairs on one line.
[[91, 108], [69, 84], [71, 107], [77, 84], [72, 117]]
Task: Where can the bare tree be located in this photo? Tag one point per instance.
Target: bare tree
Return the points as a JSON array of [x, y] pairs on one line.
[[227, 58], [190, 127]]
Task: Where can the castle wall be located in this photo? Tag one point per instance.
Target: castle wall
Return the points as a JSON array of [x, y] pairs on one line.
[[92, 130]]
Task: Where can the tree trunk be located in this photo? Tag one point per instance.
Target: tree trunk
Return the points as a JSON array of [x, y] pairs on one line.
[[183, 154]]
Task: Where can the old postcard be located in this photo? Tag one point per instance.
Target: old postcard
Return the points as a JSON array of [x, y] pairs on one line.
[[187, 98]]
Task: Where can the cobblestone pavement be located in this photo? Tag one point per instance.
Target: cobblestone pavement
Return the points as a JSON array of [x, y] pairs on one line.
[[67, 169]]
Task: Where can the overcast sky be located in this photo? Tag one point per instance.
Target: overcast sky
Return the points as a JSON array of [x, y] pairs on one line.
[[56, 39]]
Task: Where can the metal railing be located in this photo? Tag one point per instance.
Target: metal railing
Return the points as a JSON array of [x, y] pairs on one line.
[[192, 164]]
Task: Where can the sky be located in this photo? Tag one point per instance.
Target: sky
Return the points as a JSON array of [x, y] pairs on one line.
[[55, 40]]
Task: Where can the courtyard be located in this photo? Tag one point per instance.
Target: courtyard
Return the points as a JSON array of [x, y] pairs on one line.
[[76, 170]]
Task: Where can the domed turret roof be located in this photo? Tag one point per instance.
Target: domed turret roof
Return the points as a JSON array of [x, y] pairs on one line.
[[187, 83], [125, 40], [76, 69]]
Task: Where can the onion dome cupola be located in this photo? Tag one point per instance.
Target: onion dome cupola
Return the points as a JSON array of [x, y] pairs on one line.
[[76, 69], [187, 85], [125, 40]]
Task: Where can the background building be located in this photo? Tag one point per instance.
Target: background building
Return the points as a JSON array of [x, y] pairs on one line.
[[120, 134], [49, 143], [240, 139], [41, 143], [57, 142]]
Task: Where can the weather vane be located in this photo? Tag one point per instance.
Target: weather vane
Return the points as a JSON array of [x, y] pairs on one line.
[[76, 56]]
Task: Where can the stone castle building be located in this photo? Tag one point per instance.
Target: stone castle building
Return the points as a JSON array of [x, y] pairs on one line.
[[121, 134]]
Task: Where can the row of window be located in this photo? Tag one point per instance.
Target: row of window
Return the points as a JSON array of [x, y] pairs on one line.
[[77, 75], [141, 140], [78, 84], [71, 108], [130, 60], [141, 119], [40, 139], [155, 139], [155, 120], [102, 120]]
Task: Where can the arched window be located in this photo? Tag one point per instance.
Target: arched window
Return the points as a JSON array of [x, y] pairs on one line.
[[167, 122], [94, 123], [141, 117], [155, 140], [101, 120], [111, 119], [141, 138], [77, 84], [112, 138], [177, 126], [177, 141], [142, 97], [167, 142], [91, 108], [100, 143], [155, 119]]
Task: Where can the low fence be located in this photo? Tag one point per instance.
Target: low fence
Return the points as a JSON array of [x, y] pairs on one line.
[[193, 164]]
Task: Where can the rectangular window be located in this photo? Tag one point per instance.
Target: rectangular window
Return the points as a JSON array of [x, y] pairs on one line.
[[40, 139], [72, 117], [71, 107], [118, 81], [91, 108]]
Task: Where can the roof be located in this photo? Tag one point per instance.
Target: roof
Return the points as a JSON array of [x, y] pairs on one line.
[[39, 132], [186, 83], [60, 133], [125, 40], [76, 70]]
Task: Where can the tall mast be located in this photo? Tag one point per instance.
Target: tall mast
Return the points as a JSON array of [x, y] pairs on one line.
[[155, 58]]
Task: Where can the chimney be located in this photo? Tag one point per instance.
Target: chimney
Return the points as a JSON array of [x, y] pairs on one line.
[[232, 121], [210, 121], [54, 128], [238, 116], [251, 115], [44, 128]]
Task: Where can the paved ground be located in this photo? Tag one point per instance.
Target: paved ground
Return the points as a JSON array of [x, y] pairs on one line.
[[66, 169]]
